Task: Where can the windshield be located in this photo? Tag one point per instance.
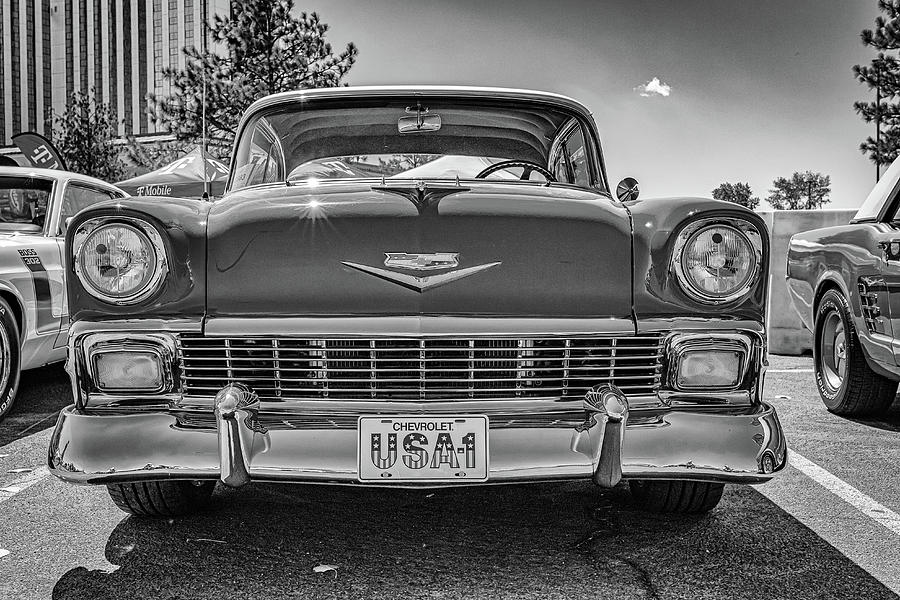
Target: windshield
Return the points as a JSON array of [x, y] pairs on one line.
[[419, 138], [23, 203]]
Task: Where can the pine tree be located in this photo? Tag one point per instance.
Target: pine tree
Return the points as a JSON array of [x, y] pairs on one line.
[[806, 190], [882, 76], [84, 134], [738, 193], [263, 49]]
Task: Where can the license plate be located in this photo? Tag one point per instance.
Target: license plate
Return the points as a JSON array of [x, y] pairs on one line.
[[423, 449]]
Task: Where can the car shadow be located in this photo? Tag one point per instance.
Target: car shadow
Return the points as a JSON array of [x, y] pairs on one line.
[[888, 421], [561, 540], [42, 393]]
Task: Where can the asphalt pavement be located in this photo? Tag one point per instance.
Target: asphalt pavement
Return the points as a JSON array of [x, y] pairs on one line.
[[821, 531]]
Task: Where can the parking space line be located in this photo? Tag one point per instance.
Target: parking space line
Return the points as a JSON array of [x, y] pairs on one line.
[[790, 370], [846, 492], [23, 483]]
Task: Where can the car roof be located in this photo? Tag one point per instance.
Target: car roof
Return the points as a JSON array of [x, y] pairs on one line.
[[53, 174], [448, 91]]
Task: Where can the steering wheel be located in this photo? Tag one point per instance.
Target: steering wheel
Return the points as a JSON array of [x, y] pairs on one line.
[[526, 165]]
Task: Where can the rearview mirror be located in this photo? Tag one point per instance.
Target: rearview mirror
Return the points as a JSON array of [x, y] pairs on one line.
[[628, 189], [419, 123]]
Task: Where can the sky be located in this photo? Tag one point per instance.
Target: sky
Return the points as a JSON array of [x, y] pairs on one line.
[[738, 90]]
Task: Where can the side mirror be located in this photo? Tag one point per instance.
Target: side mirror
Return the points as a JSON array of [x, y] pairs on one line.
[[628, 189]]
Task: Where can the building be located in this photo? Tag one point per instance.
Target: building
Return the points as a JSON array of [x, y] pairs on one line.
[[119, 48]]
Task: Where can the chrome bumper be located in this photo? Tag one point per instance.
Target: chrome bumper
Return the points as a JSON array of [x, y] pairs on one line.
[[238, 445]]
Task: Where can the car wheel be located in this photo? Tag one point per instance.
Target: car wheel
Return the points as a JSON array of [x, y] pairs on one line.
[[676, 496], [161, 498], [9, 358], [846, 383]]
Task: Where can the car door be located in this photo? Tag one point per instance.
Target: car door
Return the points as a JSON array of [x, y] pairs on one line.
[[74, 197]]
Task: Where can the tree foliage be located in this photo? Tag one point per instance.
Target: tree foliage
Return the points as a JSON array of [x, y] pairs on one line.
[[805, 190], [738, 193], [262, 49], [883, 73], [84, 135]]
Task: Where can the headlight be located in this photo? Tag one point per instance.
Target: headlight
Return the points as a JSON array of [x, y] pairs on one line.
[[121, 262], [717, 262]]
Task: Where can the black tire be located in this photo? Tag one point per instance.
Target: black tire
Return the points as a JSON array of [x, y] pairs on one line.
[[9, 358], [676, 496], [846, 383], [161, 498]]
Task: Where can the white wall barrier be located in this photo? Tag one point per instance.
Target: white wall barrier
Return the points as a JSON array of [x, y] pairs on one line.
[[787, 335]]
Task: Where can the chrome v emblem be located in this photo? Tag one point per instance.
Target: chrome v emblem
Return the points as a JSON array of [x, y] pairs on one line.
[[417, 283]]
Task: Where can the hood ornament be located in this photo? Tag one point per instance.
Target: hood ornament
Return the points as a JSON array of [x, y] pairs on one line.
[[425, 197], [420, 262]]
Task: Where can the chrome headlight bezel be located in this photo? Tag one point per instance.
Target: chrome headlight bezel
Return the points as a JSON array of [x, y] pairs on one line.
[[162, 345], [746, 230], [139, 226]]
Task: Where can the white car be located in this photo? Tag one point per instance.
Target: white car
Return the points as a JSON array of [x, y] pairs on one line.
[[35, 206]]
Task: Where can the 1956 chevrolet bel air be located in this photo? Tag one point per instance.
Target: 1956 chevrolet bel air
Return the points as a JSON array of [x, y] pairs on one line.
[[417, 286]]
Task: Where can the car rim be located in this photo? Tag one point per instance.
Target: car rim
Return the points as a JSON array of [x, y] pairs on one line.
[[833, 350]]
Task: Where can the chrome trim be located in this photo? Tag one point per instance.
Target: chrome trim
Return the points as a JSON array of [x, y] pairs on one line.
[[419, 283], [419, 368], [607, 409], [414, 326], [681, 343], [105, 446], [421, 261], [237, 426], [142, 227], [745, 228], [161, 344]]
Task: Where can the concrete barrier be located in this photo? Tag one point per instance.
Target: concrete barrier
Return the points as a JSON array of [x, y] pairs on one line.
[[787, 335]]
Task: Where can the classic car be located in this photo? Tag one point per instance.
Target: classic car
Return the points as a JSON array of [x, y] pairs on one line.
[[843, 283], [35, 206], [421, 287]]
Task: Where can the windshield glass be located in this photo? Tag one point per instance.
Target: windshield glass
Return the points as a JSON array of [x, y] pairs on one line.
[[419, 138], [23, 203]]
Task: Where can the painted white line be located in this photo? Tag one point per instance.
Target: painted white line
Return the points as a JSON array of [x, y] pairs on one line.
[[23, 483], [790, 370], [846, 492], [3, 552]]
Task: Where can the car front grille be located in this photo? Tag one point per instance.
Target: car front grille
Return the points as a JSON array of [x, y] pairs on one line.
[[416, 369]]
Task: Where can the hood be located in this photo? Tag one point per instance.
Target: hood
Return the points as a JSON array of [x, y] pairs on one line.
[[358, 248]]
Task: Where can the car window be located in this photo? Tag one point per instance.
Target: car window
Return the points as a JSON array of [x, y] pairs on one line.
[[880, 194], [575, 151], [265, 158], [23, 202], [79, 196]]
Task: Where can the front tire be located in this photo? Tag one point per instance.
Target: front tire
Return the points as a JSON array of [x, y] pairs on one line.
[[161, 498], [676, 496], [9, 358], [846, 383]]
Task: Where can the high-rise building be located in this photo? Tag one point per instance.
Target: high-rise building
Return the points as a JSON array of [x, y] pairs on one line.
[[116, 48]]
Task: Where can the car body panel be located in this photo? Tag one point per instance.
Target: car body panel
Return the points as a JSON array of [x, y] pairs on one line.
[[296, 251]]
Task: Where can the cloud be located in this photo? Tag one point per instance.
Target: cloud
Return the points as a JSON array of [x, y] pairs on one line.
[[654, 87]]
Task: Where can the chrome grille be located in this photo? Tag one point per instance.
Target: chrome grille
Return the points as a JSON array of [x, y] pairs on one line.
[[413, 369]]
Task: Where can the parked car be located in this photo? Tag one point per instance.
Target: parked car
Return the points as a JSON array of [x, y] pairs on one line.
[[35, 205], [417, 286], [844, 283]]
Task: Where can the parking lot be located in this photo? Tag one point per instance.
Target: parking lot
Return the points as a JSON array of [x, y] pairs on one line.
[[828, 528]]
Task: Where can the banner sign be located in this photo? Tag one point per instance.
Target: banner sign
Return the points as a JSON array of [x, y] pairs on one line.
[[39, 151]]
